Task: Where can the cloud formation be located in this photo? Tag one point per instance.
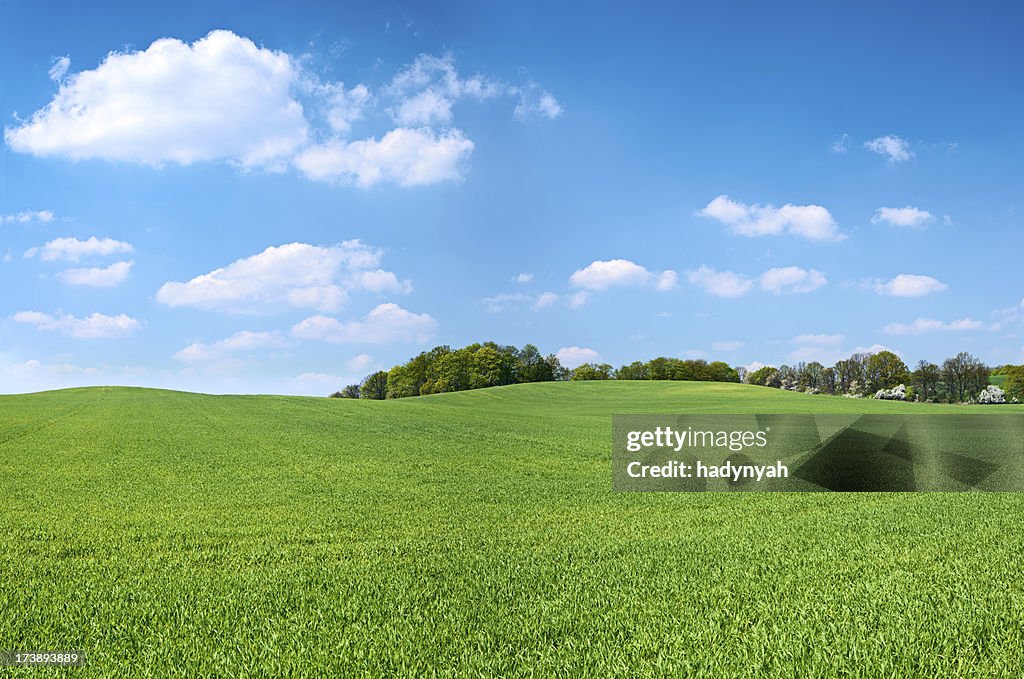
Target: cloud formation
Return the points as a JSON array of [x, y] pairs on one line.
[[807, 221], [94, 326], [599, 276], [220, 98], [98, 277], [909, 285], [73, 249], [778, 281], [906, 217], [926, 325], [384, 324], [295, 275], [895, 148], [241, 341]]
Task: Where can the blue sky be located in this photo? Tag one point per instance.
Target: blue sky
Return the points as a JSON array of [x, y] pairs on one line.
[[264, 199]]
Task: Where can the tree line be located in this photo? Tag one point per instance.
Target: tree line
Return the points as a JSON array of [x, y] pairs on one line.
[[443, 369], [959, 379]]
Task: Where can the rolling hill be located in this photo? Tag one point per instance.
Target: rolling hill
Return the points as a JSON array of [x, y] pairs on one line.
[[473, 534]]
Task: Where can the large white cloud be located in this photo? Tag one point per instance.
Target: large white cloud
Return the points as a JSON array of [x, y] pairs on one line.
[[909, 285], [297, 275], [924, 325], [907, 217], [384, 324], [220, 98], [600, 275], [95, 325], [73, 249], [405, 156], [895, 148], [98, 277], [573, 357], [809, 221]]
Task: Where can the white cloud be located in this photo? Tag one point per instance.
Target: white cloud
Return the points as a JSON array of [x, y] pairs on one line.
[[535, 101], [792, 279], [73, 249], [429, 107], [839, 145], [720, 283], [579, 299], [405, 156], [524, 278], [818, 340], [106, 277], [909, 285], [897, 149], [26, 216], [242, 341], [382, 281], [384, 324], [924, 325], [572, 357], [295, 275], [545, 299], [359, 363], [95, 325], [499, 303], [809, 221], [908, 217], [220, 98], [344, 106], [59, 69], [729, 345], [694, 354], [600, 275]]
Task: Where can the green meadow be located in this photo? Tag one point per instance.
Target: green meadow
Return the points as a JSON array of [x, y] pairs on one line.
[[473, 534]]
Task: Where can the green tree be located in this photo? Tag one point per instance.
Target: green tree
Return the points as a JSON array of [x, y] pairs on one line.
[[886, 370], [960, 375], [637, 370], [591, 371], [926, 379], [1014, 384], [375, 386], [762, 375]]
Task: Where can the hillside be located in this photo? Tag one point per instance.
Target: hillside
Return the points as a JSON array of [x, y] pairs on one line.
[[474, 532]]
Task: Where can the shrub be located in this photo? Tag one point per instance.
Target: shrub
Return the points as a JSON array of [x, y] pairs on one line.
[[898, 393], [992, 395]]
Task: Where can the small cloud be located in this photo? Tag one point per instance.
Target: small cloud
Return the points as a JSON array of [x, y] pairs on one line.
[[359, 363], [897, 149], [523, 278], [73, 249], [909, 285], [731, 345], [792, 279], [906, 217], [94, 326], [926, 325], [809, 221], [719, 283], [818, 340], [385, 324], [27, 216], [839, 145], [60, 69], [242, 341], [545, 299], [97, 277]]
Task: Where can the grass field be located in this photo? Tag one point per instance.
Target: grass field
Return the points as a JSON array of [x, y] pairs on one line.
[[473, 534]]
